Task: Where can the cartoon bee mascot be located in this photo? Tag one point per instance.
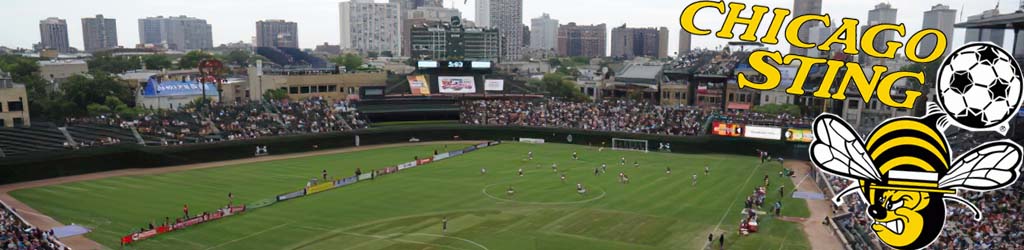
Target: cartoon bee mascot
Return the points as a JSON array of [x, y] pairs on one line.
[[904, 173]]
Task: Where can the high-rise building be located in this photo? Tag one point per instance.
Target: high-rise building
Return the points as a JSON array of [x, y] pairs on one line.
[[639, 42], [507, 17], [582, 40], [452, 41], [416, 4], [424, 16], [544, 32], [176, 33], [883, 13], [277, 33], [985, 35], [805, 7], [526, 35], [942, 18], [685, 42], [53, 34], [99, 33], [371, 27], [818, 35]]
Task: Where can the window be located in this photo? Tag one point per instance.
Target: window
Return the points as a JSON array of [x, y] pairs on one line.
[[853, 104], [304, 90], [730, 97], [293, 90], [332, 88], [351, 90], [1, 109], [679, 95], [2, 123], [14, 106], [321, 88], [19, 122]]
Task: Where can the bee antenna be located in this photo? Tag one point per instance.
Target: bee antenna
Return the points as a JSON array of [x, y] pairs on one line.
[[977, 212], [838, 200]]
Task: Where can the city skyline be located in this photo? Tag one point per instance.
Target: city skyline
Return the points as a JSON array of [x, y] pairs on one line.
[[319, 17]]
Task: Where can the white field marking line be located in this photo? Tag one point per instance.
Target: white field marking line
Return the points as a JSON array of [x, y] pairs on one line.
[[484, 190], [387, 237], [249, 236], [726, 213], [186, 241], [426, 243], [801, 181]]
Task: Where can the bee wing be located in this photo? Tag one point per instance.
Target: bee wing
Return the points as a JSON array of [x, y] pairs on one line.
[[837, 149], [987, 167]]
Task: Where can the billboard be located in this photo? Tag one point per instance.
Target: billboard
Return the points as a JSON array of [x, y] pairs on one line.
[[726, 129], [407, 165], [346, 181], [424, 161], [799, 135], [177, 88], [494, 85], [418, 84], [762, 132], [456, 84], [291, 195], [319, 188], [441, 156]]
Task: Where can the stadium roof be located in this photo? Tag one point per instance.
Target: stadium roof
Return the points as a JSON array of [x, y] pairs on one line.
[[998, 21], [641, 72]]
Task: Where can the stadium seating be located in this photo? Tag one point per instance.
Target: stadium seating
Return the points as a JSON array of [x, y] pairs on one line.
[[25, 140]]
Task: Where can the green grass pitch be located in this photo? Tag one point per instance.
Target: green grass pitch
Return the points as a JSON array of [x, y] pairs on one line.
[[404, 211]]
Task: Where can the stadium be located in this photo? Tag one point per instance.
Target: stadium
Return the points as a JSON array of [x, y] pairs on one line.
[[457, 147]]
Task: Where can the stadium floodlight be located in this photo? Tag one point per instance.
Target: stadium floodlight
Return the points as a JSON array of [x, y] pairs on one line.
[[629, 144]]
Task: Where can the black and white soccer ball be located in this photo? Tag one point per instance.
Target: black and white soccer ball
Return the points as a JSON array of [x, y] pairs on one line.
[[979, 86]]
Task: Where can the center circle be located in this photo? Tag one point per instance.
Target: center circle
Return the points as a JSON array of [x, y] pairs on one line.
[[547, 193]]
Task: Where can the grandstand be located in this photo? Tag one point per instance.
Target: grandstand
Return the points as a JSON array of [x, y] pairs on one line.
[[291, 57]]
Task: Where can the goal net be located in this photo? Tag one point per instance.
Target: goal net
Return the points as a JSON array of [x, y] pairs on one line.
[[629, 144]]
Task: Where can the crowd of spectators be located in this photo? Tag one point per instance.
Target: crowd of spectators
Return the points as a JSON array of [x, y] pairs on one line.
[[710, 62], [609, 115], [15, 234], [238, 121]]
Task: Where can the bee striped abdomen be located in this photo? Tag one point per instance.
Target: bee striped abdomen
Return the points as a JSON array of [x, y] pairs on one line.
[[908, 144]]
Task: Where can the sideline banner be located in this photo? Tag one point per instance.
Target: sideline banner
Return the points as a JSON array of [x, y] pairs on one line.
[[407, 165], [424, 161], [441, 156], [366, 176], [346, 181], [387, 171], [468, 149], [726, 129], [291, 195], [454, 153], [763, 132], [319, 188], [799, 135], [531, 140], [482, 145], [456, 84]]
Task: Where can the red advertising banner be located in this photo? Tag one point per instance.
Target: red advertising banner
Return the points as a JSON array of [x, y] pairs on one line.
[[424, 161]]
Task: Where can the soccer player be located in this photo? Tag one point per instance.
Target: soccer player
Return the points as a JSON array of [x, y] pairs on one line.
[[563, 177], [721, 241], [707, 170], [231, 198], [636, 164], [668, 170], [622, 161], [530, 155], [444, 225], [604, 167], [520, 171], [483, 171], [554, 167], [622, 177], [694, 180], [597, 171], [580, 190], [625, 179], [324, 173], [575, 156], [711, 239], [781, 191], [510, 191]]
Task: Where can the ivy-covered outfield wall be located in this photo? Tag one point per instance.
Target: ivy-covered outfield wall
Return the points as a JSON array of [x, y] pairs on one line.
[[89, 160]]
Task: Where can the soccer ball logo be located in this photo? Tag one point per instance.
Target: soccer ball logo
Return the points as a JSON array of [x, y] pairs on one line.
[[979, 86]]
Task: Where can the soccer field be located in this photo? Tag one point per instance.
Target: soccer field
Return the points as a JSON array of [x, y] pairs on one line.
[[404, 210]]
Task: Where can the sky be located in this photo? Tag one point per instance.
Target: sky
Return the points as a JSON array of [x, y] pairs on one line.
[[234, 20]]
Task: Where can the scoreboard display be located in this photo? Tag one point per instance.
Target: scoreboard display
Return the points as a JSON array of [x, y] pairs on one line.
[[455, 66]]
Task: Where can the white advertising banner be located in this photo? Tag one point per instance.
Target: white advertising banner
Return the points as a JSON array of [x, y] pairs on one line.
[[456, 84], [531, 140], [407, 165], [494, 85], [760, 132]]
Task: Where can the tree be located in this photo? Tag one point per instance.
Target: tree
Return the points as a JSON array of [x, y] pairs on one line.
[[776, 109], [191, 59], [237, 57], [350, 61], [557, 85], [275, 94], [81, 91], [157, 62], [114, 64]]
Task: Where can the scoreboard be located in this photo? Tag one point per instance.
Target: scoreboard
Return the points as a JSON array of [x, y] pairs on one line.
[[455, 66]]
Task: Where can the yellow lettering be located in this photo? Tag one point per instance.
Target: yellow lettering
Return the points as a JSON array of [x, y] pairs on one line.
[[801, 73], [772, 37], [885, 89], [733, 18], [793, 30], [867, 40], [770, 72], [856, 74], [689, 14], [940, 45], [845, 34]]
